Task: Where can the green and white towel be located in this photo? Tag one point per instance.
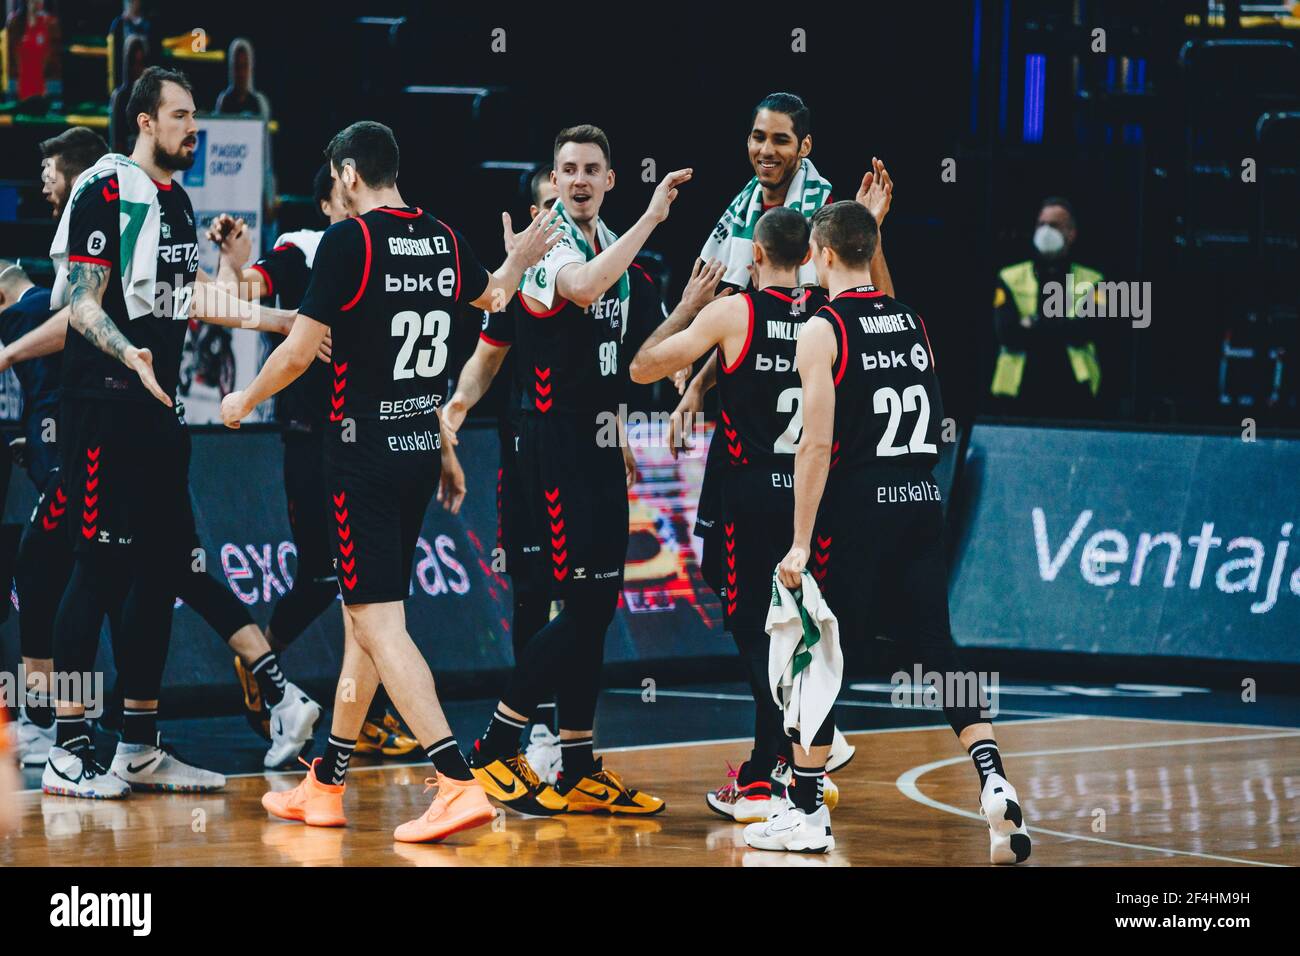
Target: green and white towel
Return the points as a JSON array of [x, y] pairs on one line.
[[732, 239], [138, 231], [805, 665], [572, 246]]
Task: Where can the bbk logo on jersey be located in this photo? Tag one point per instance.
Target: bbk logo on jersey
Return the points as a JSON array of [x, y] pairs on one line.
[[95, 243], [920, 358], [883, 360]]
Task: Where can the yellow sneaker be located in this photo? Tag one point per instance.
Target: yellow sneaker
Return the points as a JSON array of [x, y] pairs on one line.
[[514, 783], [256, 712], [602, 791], [388, 737]]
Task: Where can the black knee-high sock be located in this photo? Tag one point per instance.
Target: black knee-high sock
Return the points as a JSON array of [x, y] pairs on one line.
[[447, 759], [270, 679], [39, 709], [333, 766], [139, 725], [532, 611], [807, 788], [987, 760], [577, 758], [500, 740]]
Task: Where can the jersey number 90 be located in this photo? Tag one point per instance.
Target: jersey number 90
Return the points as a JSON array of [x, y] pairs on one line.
[[428, 361]]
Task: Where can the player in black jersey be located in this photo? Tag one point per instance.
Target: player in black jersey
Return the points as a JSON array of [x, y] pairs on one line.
[[129, 264], [282, 276], [531, 599], [385, 286], [575, 469], [863, 472], [44, 559], [754, 336]]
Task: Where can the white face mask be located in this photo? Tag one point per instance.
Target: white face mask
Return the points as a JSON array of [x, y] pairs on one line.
[[1049, 241]]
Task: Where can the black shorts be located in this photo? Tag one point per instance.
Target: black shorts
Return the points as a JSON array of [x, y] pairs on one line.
[[310, 515], [511, 517], [573, 505], [756, 528], [125, 472], [708, 516], [378, 499], [880, 560]]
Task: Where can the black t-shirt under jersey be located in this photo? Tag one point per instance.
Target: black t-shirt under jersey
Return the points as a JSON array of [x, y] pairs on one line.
[[93, 237]]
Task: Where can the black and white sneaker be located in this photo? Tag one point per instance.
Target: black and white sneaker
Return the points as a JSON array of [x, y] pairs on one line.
[[154, 767], [794, 831], [292, 722], [74, 772], [1008, 836], [34, 742]]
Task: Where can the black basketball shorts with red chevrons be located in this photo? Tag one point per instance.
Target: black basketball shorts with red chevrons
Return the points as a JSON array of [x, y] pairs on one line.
[[125, 473], [572, 504], [378, 499]]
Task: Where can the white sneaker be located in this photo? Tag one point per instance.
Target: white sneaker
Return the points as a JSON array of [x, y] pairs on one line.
[[34, 742], [151, 767], [543, 753], [76, 773], [1008, 836], [292, 723], [752, 803], [794, 831], [841, 752]]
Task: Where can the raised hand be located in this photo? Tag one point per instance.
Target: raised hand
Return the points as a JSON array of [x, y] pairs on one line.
[[877, 190], [536, 239], [666, 192]]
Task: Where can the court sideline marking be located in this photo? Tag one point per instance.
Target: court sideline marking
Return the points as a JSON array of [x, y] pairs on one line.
[[907, 785]]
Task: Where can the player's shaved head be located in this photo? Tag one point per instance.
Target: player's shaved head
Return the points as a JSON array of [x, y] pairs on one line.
[[537, 181], [371, 148], [847, 229], [783, 234]]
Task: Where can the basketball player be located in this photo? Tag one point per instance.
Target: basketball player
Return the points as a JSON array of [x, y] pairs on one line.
[[575, 472], [871, 422], [282, 275], [385, 285], [44, 560], [125, 450], [530, 596], [758, 389]]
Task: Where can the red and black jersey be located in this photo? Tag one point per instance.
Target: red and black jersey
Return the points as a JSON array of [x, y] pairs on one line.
[[286, 273], [93, 237], [569, 357], [388, 284], [888, 409], [759, 394]]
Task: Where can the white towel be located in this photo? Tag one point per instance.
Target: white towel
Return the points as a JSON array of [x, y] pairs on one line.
[[804, 687], [138, 231], [308, 240]]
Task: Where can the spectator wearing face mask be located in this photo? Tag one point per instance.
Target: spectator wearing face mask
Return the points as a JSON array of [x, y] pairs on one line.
[[1047, 364]]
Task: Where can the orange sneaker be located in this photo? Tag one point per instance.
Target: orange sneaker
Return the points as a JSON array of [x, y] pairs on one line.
[[314, 803], [459, 805]]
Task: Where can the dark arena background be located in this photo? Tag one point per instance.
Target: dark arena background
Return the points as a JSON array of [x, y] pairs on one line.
[[1120, 525]]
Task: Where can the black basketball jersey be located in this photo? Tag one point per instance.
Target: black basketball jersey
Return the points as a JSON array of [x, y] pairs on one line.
[[887, 404], [759, 394], [569, 357], [94, 237], [388, 284]]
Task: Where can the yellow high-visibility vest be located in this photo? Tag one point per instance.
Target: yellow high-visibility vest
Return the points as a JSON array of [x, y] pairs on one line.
[[1022, 282]]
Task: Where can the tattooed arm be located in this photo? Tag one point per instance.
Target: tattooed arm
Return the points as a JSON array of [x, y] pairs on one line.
[[86, 282]]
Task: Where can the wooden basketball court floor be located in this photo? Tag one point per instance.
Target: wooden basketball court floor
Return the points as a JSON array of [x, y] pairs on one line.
[[1097, 791]]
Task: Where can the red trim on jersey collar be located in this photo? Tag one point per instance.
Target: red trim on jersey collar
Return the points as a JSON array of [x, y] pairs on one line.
[[493, 342], [771, 290], [455, 247], [266, 278], [541, 315], [365, 274], [861, 292], [163, 186], [402, 213], [749, 337], [844, 347]]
